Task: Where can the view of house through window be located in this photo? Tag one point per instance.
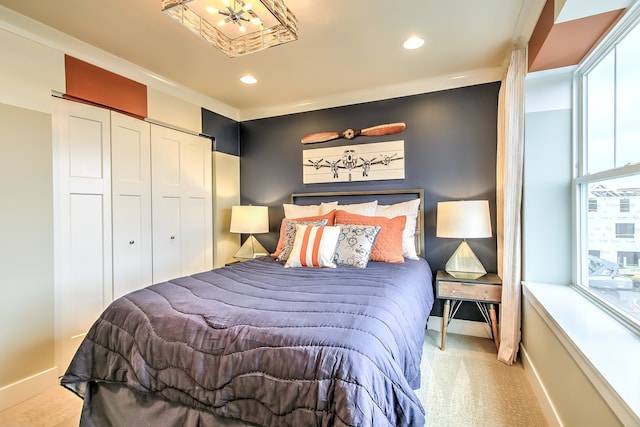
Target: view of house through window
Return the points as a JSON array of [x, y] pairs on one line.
[[613, 243], [608, 180]]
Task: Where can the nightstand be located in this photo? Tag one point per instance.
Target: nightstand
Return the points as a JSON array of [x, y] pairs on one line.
[[485, 291]]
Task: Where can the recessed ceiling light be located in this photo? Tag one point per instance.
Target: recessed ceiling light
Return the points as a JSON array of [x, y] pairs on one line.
[[250, 80], [413, 43]]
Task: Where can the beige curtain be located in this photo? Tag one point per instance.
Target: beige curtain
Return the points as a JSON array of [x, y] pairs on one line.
[[509, 200]]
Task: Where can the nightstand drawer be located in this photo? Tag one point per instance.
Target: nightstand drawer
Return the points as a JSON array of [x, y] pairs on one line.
[[469, 291]]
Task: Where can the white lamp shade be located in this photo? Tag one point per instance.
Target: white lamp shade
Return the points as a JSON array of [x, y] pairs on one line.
[[249, 219], [464, 219]]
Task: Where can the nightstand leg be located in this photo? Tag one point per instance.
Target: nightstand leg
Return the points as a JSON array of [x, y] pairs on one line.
[[445, 322], [494, 325]]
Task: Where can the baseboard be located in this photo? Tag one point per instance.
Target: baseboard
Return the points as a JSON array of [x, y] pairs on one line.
[[546, 404], [462, 327], [26, 388]]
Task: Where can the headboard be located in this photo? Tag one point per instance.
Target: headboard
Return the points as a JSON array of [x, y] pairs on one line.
[[384, 197]]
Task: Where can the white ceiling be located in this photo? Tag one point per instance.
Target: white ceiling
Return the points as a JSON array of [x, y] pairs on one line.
[[347, 50]]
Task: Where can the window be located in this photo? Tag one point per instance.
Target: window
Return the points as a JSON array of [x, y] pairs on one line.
[[625, 230], [607, 179], [624, 205], [628, 258]]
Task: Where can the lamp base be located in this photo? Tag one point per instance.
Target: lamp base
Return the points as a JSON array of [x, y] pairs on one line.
[[251, 248], [464, 264]]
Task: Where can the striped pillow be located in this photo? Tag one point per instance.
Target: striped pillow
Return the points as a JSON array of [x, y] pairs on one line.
[[314, 246]]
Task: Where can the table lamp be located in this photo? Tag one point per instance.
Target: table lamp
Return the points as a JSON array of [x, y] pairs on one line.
[[464, 219], [250, 220]]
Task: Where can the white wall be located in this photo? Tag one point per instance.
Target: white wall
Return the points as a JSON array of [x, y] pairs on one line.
[[546, 212], [226, 184], [566, 393], [28, 73], [26, 249], [31, 67], [571, 398]]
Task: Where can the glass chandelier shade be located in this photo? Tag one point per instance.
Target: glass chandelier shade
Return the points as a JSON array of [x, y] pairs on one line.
[[240, 27]]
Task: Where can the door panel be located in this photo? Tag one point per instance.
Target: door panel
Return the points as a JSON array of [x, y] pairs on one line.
[[182, 203], [194, 241], [131, 258], [166, 238], [166, 161], [87, 269], [82, 222], [131, 188], [86, 151]]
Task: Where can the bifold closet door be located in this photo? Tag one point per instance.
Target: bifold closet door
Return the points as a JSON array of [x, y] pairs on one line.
[[131, 203], [82, 222], [181, 203]]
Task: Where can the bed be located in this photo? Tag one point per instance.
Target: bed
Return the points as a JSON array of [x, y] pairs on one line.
[[257, 343]]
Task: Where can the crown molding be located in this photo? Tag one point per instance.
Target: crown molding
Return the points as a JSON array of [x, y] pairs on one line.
[[35, 31], [451, 81]]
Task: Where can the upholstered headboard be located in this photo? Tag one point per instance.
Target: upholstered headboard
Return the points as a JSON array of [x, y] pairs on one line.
[[384, 197]]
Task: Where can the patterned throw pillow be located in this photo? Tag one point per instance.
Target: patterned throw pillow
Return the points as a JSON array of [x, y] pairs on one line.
[[290, 235], [330, 217], [354, 245], [314, 246]]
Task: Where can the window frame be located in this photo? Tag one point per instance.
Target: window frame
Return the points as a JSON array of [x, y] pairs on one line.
[[581, 179]]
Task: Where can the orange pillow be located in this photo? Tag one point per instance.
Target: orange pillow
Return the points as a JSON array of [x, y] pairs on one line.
[[330, 217], [388, 244]]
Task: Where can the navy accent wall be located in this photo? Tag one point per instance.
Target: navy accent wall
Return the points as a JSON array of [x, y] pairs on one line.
[[223, 130], [450, 152]]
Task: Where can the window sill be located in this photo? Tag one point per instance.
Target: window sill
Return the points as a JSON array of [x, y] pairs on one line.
[[605, 350]]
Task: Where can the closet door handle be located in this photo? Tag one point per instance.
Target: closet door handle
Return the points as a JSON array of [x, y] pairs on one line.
[[173, 237], [131, 242]]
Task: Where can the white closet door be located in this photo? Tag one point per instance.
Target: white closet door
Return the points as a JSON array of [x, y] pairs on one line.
[[131, 203], [197, 221], [166, 238], [166, 203], [82, 222], [181, 203]]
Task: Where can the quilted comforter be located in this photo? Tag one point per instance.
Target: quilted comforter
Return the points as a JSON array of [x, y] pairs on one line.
[[263, 345]]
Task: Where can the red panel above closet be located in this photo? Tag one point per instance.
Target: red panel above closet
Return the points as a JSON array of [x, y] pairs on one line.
[[86, 82]]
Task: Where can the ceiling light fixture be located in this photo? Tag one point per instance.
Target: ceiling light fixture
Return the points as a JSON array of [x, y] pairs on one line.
[[254, 27], [413, 43], [250, 80]]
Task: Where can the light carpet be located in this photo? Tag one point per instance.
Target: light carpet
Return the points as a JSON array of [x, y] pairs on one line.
[[465, 385]]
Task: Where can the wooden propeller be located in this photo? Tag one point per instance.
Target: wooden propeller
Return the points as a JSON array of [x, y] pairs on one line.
[[388, 129]]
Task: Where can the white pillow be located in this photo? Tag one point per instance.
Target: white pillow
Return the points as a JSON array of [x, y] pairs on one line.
[[368, 208], [300, 211], [314, 246], [410, 210]]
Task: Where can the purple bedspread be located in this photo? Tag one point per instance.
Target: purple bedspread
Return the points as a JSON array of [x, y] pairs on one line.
[[257, 343]]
